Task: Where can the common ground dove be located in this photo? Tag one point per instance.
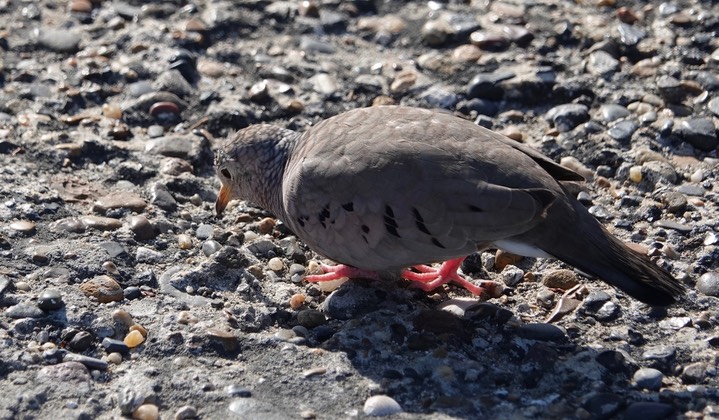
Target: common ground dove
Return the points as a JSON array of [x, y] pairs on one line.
[[393, 188]]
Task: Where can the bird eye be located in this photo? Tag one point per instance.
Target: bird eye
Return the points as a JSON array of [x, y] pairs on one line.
[[226, 174]]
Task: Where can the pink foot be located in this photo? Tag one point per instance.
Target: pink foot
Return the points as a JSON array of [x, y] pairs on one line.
[[429, 278], [336, 272]]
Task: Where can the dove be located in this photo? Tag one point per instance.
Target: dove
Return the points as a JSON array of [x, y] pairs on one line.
[[396, 189]]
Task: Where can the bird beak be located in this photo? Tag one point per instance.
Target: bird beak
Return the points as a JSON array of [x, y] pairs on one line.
[[223, 197]]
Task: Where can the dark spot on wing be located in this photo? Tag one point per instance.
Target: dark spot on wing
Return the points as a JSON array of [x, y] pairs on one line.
[[419, 221], [437, 243], [365, 228], [365, 239], [325, 213], [348, 206], [475, 209], [301, 222], [389, 222]]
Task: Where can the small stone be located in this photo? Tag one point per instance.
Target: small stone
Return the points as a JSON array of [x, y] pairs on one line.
[[314, 372], [700, 133], [123, 317], [567, 116], [210, 247], [103, 288], [708, 284], [512, 275], [560, 279], [50, 300], [648, 378], [297, 300], [266, 225], [694, 373], [635, 174], [186, 412], [238, 391], [120, 200], [23, 226], [147, 255], [184, 241], [204, 231], [541, 332], [276, 264], [613, 112], [114, 346], [133, 339], [142, 228], [114, 358], [380, 406], [311, 318], [81, 341], [146, 412], [22, 310], [101, 223]]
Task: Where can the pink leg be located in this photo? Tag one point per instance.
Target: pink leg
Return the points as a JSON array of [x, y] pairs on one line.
[[430, 278], [336, 272]]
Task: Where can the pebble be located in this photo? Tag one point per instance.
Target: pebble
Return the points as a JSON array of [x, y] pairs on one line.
[[602, 63], [648, 378], [50, 300], [311, 318], [297, 300], [204, 231], [100, 223], [238, 391], [613, 112], [103, 288], [700, 133], [694, 373], [120, 200], [114, 346], [142, 228], [623, 131], [133, 339], [184, 241], [23, 226], [512, 275], [146, 412], [541, 332], [147, 255], [210, 247], [560, 279], [90, 362], [276, 264], [186, 412], [568, 116], [380, 406], [23, 310], [58, 40], [708, 284], [81, 341]]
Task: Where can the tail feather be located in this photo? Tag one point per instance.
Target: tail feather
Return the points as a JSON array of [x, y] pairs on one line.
[[597, 252]]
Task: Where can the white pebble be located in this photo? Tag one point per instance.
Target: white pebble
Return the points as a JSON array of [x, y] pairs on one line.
[[381, 405], [328, 286], [276, 264], [635, 174], [184, 241], [697, 176]]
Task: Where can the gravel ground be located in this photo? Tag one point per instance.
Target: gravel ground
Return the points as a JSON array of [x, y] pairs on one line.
[[123, 295]]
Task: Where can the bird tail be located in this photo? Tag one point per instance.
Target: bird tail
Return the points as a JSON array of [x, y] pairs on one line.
[[595, 251]]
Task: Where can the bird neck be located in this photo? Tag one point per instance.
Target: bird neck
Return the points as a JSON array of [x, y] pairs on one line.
[[276, 164]]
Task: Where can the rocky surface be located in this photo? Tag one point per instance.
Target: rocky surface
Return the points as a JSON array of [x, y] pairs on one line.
[[123, 295]]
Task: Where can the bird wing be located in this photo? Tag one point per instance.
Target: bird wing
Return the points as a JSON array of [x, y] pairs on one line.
[[388, 190]]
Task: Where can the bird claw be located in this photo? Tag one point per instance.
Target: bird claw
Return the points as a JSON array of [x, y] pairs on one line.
[[426, 277], [336, 272], [429, 278]]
